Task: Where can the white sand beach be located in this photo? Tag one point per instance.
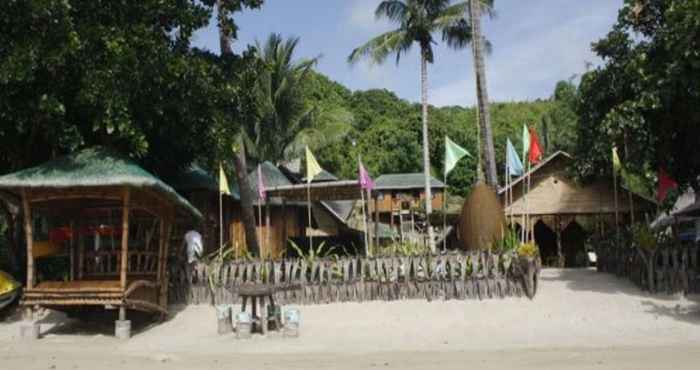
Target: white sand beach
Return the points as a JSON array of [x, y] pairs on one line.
[[580, 319]]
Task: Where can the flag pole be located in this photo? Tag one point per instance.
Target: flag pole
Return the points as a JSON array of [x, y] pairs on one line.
[[444, 216], [221, 225], [260, 227], [364, 215], [617, 218], [308, 203]]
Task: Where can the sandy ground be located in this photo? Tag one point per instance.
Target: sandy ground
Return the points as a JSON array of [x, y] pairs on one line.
[[580, 319]]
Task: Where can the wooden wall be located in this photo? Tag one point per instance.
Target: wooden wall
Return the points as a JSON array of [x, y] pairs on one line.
[[284, 224], [392, 199]]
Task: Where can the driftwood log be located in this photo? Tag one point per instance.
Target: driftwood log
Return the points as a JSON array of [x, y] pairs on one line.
[[470, 275]]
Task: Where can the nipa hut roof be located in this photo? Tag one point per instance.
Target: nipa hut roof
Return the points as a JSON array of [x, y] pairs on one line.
[[405, 181], [93, 167]]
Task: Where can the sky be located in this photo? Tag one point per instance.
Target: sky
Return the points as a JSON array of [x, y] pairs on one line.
[[535, 44]]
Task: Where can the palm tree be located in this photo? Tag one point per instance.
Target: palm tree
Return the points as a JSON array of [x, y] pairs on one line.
[[485, 129], [288, 123], [246, 192], [418, 20]]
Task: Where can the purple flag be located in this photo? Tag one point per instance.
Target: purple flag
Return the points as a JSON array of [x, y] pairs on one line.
[[366, 182], [261, 186]]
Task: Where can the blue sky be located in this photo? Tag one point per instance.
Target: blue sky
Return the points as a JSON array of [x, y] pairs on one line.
[[535, 44]]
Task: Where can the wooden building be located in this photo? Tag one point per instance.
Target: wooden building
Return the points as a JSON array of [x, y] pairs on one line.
[[557, 206], [401, 197], [109, 220]]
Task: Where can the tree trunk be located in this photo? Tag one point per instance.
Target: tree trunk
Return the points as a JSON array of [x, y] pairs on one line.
[[247, 211], [224, 40], [426, 152], [482, 96]]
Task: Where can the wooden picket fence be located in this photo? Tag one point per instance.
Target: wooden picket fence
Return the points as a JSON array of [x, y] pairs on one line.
[[477, 275], [669, 269]]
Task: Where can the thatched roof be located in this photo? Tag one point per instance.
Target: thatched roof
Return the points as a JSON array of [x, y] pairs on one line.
[[93, 167], [196, 178], [553, 192], [405, 181]]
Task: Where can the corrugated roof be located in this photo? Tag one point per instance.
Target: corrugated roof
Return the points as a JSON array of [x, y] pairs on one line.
[[272, 177], [405, 181], [93, 167]]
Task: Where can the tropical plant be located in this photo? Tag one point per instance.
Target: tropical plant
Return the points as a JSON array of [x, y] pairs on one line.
[[418, 20], [313, 254], [400, 249], [528, 249], [508, 243]]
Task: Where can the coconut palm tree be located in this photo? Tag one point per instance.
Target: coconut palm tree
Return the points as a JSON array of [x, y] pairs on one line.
[[485, 129], [418, 21]]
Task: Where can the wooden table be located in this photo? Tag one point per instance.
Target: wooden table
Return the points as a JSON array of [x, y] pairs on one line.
[[258, 293]]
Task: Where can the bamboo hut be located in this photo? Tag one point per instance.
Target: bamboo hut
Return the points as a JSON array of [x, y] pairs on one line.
[[109, 220], [556, 204]]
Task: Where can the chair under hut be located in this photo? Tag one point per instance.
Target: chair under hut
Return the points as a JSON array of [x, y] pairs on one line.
[[109, 219]]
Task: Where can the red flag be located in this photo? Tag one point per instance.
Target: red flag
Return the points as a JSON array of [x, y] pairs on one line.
[[666, 183], [535, 152]]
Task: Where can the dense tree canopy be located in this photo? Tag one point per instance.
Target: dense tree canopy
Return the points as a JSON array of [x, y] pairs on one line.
[[114, 73], [644, 99]]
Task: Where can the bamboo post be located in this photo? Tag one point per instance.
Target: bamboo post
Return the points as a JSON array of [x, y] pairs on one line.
[[161, 250], [444, 215], [72, 250], [30, 239], [364, 222], [221, 225], [369, 216], [308, 199], [125, 237], [267, 229], [260, 231], [617, 217], [284, 228], [376, 220]]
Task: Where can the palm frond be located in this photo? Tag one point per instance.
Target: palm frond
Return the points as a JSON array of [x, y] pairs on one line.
[[378, 48], [394, 10]]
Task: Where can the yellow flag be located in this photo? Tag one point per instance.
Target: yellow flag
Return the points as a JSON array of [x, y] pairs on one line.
[[616, 160], [312, 167], [223, 183]]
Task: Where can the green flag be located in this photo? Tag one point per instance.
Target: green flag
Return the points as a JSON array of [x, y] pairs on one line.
[[526, 142], [453, 153]]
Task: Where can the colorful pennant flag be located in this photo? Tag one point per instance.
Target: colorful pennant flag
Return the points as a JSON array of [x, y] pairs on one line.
[[526, 142], [366, 182], [666, 183], [223, 182], [262, 191], [453, 153], [535, 151], [515, 165], [312, 166]]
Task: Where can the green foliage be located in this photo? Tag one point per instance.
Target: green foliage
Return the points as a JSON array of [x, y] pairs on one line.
[[400, 249], [645, 96], [528, 249], [117, 74], [644, 237], [313, 254], [508, 243]]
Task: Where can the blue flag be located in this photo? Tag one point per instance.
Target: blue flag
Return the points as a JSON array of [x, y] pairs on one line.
[[515, 166]]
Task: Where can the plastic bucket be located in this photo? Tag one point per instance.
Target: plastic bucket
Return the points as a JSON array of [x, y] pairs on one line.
[[244, 325]]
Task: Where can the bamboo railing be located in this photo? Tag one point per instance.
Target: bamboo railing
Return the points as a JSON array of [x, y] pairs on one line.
[[476, 275], [669, 269]]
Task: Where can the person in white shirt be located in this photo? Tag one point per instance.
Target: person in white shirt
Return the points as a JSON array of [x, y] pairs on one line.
[[193, 239]]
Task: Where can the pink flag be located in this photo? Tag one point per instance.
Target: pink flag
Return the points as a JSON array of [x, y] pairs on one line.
[[261, 185], [366, 182]]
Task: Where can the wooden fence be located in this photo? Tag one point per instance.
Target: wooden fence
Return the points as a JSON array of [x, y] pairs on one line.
[[669, 269], [478, 275]]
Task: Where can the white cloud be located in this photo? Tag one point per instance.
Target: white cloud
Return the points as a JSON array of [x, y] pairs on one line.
[[526, 67], [361, 16]]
